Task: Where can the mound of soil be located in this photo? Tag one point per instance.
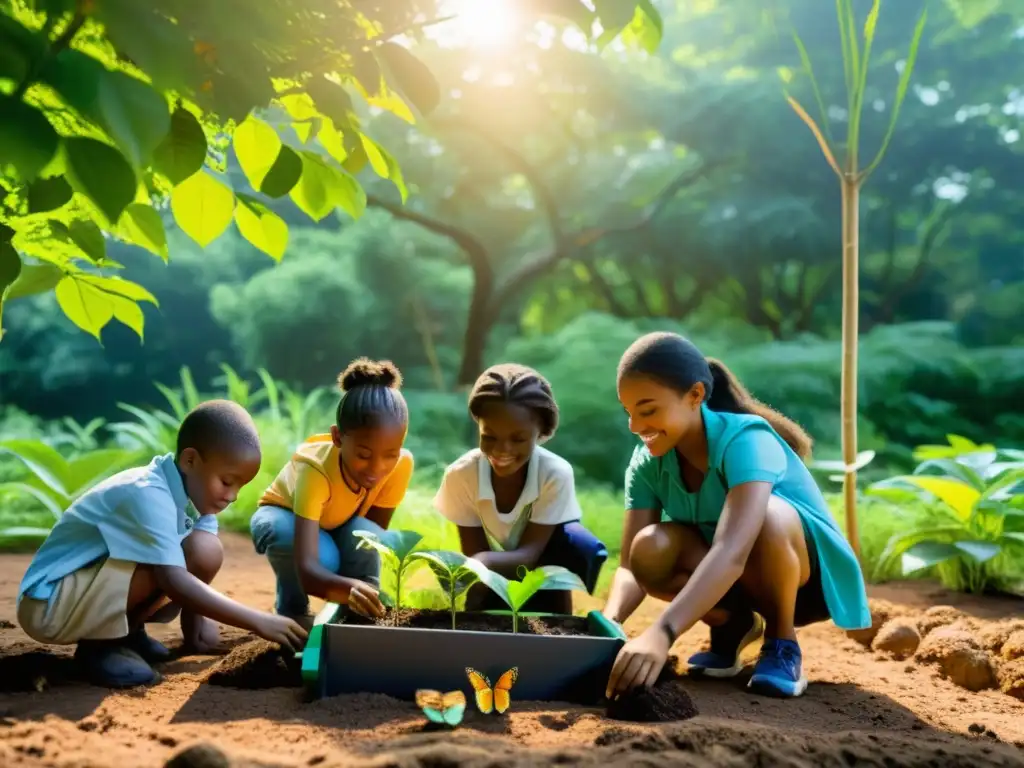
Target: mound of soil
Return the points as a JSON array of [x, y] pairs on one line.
[[992, 637], [881, 612], [898, 637], [665, 702], [475, 622], [938, 616], [1013, 648], [199, 756], [1011, 678], [958, 656], [256, 665]]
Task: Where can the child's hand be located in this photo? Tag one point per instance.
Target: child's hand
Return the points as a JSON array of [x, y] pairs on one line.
[[281, 630], [364, 599]]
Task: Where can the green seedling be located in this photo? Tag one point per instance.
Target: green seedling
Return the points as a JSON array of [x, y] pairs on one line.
[[453, 572], [395, 547], [515, 594]]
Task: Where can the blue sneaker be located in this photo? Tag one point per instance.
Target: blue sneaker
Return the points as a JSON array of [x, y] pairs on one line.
[[727, 643], [779, 670]]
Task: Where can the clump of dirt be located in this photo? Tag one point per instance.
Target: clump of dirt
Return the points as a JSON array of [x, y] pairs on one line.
[[992, 637], [1011, 678], [476, 622], [881, 612], [256, 665], [898, 637], [199, 756], [5, 624], [1013, 648], [664, 702], [958, 656], [938, 616]]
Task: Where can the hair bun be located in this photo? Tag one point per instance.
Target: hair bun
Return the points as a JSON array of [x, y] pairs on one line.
[[370, 373]]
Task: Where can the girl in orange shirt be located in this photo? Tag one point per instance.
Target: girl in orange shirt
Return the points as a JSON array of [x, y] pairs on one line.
[[348, 480]]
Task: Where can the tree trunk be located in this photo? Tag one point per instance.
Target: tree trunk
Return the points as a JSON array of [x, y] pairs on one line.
[[478, 328], [851, 305]]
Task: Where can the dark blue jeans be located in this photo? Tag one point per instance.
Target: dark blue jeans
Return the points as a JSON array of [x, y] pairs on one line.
[[273, 535], [571, 546]]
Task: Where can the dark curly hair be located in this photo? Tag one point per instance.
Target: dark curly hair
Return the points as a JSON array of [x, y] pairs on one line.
[[517, 385], [675, 362], [218, 427], [372, 395]]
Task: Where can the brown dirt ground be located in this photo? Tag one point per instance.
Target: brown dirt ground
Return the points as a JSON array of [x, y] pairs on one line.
[[862, 708]]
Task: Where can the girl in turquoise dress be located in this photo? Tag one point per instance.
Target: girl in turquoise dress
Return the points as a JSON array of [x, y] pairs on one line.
[[749, 545]]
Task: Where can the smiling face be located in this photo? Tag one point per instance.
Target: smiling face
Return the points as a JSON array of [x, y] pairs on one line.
[[212, 483], [660, 416], [369, 454], [508, 435]]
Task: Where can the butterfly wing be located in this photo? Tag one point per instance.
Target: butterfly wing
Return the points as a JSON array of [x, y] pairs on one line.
[[453, 707], [432, 704], [503, 688], [482, 690]]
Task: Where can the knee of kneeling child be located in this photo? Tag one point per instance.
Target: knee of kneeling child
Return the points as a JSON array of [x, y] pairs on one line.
[[204, 554], [654, 556]]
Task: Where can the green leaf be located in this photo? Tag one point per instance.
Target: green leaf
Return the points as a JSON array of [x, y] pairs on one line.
[[979, 551], [383, 164], [34, 279], [572, 10], [182, 153], [156, 45], [10, 267], [926, 554], [27, 140], [284, 174], [411, 77], [87, 469], [952, 469], [49, 467], [646, 27], [203, 207], [352, 196], [119, 287], [319, 190], [261, 227], [366, 71], [863, 459], [101, 173], [332, 101], [257, 146], [400, 543], [51, 504], [497, 583], [141, 224], [85, 305], [87, 236], [129, 313], [48, 194]]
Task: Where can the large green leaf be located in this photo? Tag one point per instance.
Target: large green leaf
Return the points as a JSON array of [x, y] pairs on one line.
[[42, 460], [953, 469], [87, 469], [497, 583], [257, 146], [958, 496], [54, 507], [646, 27], [411, 77], [27, 140], [394, 542], [979, 551], [203, 207], [155, 44], [332, 101], [926, 554], [261, 227], [384, 165], [87, 236], [141, 224], [85, 305], [10, 267], [101, 173], [320, 189], [34, 279], [48, 194], [182, 153], [284, 174]]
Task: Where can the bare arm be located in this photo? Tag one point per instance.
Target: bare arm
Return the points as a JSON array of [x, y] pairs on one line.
[[196, 597], [381, 516], [316, 580], [531, 547], [737, 531], [625, 595], [472, 540]]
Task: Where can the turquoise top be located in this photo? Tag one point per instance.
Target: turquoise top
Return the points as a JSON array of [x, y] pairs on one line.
[[140, 515], [743, 449]]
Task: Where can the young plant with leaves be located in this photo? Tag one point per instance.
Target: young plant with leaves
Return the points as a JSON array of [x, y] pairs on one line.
[[454, 574], [852, 175], [515, 594], [964, 505], [111, 108], [396, 547]]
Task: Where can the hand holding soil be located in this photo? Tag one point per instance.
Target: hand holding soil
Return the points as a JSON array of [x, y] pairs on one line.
[[364, 599], [281, 630], [640, 662]]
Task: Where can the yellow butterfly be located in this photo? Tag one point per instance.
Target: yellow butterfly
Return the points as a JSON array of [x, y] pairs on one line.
[[496, 698], [442, 708]]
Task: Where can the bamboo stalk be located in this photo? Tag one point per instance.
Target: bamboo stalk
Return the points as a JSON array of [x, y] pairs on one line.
[[851, 306]]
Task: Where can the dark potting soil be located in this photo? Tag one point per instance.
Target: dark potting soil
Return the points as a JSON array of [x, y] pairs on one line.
[[257, 665], [664, 702], [476, 622]]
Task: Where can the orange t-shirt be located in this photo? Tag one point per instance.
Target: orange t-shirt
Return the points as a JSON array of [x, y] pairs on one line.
[[311, 485]]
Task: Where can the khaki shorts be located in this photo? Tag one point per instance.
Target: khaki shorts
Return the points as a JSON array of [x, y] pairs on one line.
[[89, 604]]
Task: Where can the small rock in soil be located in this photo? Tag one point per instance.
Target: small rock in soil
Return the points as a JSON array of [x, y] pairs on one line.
[[5, 624], [937, 616], [664, 702], [898, 637], [199, 756], [1013, 648], [881, 612], [256, 665], [1011, 678]]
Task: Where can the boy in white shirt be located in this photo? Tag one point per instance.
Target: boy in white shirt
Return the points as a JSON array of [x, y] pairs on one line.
[[513, 501]]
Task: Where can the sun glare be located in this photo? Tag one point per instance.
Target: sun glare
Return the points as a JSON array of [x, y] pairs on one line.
[[483, 24]]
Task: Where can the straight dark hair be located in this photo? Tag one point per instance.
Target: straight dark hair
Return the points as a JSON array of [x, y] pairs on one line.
[[675, 362]]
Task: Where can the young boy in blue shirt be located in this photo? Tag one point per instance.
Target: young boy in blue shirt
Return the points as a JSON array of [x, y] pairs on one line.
[[142, 546]]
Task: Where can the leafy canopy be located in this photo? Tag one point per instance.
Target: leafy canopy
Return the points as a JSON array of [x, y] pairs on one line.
[[112, 109]]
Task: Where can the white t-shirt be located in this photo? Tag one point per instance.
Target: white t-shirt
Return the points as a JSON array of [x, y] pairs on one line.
[[466, 497]]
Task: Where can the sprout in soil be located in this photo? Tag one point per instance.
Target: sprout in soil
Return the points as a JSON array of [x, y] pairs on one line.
[[453, 573], [517, 593], [394, 546]]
